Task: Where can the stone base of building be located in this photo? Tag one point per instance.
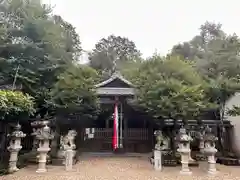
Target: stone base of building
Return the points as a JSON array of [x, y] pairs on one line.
[[228, 161], [120, 151]]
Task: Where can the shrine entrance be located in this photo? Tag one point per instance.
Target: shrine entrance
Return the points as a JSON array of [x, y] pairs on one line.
[[134, 129]]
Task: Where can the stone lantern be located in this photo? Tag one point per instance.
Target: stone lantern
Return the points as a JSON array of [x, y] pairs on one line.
[[43, 136], [184, 149], [210, 150], [37, 126], [15, 147]]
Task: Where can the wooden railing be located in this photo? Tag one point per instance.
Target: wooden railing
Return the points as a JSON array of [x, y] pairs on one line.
[[137, 134], [132, 133], [102, 133]]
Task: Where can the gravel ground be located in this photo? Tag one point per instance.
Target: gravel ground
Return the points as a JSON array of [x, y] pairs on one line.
[[113, 168]]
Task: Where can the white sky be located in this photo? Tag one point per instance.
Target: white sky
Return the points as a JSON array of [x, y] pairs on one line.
[[151, 24]]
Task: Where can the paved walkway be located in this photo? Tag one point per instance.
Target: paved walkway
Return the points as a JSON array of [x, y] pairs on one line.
[[121, 168]]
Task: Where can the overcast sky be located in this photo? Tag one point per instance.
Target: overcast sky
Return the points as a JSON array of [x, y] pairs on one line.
[[151, 24]]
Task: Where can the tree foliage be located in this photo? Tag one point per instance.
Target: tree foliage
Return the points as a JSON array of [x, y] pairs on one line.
[[111, 52], [74, 91], [36, 45], [14, 103], [235, 111], [40, 50], [170, 88], [216, 58]]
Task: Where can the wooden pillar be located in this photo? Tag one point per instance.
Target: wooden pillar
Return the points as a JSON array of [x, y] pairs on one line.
[[150, 135], [229, 142], [107, 123], [125, 139]]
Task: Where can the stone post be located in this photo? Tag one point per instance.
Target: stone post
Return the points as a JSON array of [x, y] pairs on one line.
[[15, 147], [210, 150], [184, 150], [44, 136], [157, 160], [69, 159], [157, 154]]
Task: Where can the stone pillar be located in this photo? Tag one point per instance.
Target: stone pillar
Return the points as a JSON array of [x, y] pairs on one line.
[[44, 136], [184, 150], [69, 159], [15, 147], [157, 160], [210, 150]]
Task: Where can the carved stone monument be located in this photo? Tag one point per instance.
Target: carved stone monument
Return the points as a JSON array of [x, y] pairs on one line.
[[210, 150], [15, 147], [71, 138], [162, 141], [184, 149], [66, 143], [44, 136]]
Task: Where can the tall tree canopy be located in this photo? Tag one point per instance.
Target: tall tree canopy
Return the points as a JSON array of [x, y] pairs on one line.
[[74, 91], [170, 88], [111, 50], [35, 42], [216, 57], [34, 45]]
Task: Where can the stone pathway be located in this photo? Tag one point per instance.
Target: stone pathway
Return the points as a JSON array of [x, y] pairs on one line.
[[113, 168]]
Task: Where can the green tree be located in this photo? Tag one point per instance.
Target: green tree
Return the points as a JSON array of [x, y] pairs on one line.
[[15, 105], [73, 43], [36, 44], [216, 55], [216, 58], [170, 88], [210, 36], [75, 92], [111, 52]]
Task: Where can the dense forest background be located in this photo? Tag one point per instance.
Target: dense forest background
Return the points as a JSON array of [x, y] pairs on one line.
[[40, 52]]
